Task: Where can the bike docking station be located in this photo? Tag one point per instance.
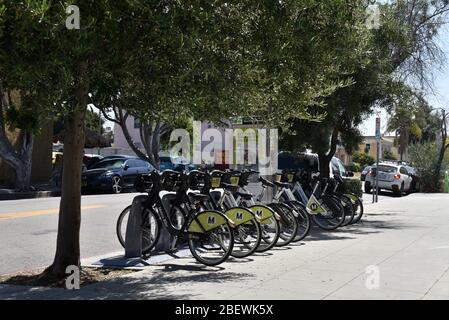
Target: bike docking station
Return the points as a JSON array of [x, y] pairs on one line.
[[133, 258]]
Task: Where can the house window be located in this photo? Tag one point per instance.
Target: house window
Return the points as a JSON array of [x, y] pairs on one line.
[[367, 148], [136, 123]]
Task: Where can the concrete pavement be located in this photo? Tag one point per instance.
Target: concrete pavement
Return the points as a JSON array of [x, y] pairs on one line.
[[400, 251]]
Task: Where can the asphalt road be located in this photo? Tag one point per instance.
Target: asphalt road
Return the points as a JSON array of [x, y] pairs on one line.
[[28, 229]]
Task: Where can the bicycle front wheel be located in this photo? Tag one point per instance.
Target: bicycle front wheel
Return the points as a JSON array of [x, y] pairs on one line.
[[303, 219], [333, 217], [210, 238], [348, 208], [358, 209], [288, 223], [247, 238], [150, 228]]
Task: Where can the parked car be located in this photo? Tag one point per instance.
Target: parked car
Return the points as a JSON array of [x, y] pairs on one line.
[[90, 159], [114, 174], [175, 163], [294, 161], [310, 162], [364, 173], [391, 177]]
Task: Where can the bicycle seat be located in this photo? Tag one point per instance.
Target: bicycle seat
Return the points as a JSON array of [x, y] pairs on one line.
[[282, 184], [244, 195], [198, 196], [338, 178], [265, 182]]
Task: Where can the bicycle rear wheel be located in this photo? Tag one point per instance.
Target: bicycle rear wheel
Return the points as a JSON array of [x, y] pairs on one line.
[[210, 238]]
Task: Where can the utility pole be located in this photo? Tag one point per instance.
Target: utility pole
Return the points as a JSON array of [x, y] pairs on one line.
[[376, 178]]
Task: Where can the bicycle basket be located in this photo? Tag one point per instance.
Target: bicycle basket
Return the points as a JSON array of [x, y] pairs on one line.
[[143, 183], [278, 177], [197, 180], [234, 180], [215, 182], [169, 183]]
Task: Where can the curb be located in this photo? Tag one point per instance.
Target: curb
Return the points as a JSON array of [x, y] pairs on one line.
[[29, 195]]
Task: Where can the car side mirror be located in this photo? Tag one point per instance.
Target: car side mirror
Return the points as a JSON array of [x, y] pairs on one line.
[[125, 167]]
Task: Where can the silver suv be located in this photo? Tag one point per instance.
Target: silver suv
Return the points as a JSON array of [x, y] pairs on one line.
[[394, 177]]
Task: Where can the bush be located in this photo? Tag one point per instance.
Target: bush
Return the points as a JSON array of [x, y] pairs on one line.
[[355, 167], [424, 157], [362, 159], [352, 186], [388, 155]]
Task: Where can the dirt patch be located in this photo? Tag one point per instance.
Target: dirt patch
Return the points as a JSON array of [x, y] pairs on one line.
[[37, 278]]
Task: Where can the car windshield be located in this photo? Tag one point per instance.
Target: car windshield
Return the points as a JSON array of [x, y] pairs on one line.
[[300, 161], [388, 169], [109, 164]]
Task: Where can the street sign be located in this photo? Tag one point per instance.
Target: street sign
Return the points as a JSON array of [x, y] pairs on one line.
[[378, 128]]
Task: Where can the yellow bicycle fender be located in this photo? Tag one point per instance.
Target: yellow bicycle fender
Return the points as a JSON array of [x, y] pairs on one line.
[[206, 221], [239, 215], [263, 213], [351, 196]]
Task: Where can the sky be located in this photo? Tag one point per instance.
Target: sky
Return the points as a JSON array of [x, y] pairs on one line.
[[438, 99]]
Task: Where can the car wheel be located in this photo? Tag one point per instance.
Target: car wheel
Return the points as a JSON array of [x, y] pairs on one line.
[[117, 186], [367, 187], [399, 193]]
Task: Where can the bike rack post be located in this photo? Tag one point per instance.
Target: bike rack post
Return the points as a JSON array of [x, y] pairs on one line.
[[133, 236]]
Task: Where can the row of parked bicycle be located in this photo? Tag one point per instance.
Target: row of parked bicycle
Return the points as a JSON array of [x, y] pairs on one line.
[[216, 215]]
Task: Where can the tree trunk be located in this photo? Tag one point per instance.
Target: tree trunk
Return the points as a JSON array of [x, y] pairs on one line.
[[437, 172], [156, 141], [68, 244], [324, 165], [325, 158], [19, 161], [67, 247]]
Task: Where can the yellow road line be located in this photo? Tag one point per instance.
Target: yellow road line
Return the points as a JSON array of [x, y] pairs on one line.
[[26, 214]]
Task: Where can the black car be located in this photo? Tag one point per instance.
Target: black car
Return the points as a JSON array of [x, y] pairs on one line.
[[175, 163], [114, 174]]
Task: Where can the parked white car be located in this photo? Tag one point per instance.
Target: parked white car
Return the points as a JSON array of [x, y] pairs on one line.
[[394, 177]]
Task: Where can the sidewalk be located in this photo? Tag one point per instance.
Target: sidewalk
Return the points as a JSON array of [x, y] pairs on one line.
[[42, 191], [404, 240]]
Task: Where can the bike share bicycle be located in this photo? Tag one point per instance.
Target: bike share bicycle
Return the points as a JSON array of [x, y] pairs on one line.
[[208, 233], [325, 209], [288, 218], [283, 195], [350, 200], [246, 226]]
